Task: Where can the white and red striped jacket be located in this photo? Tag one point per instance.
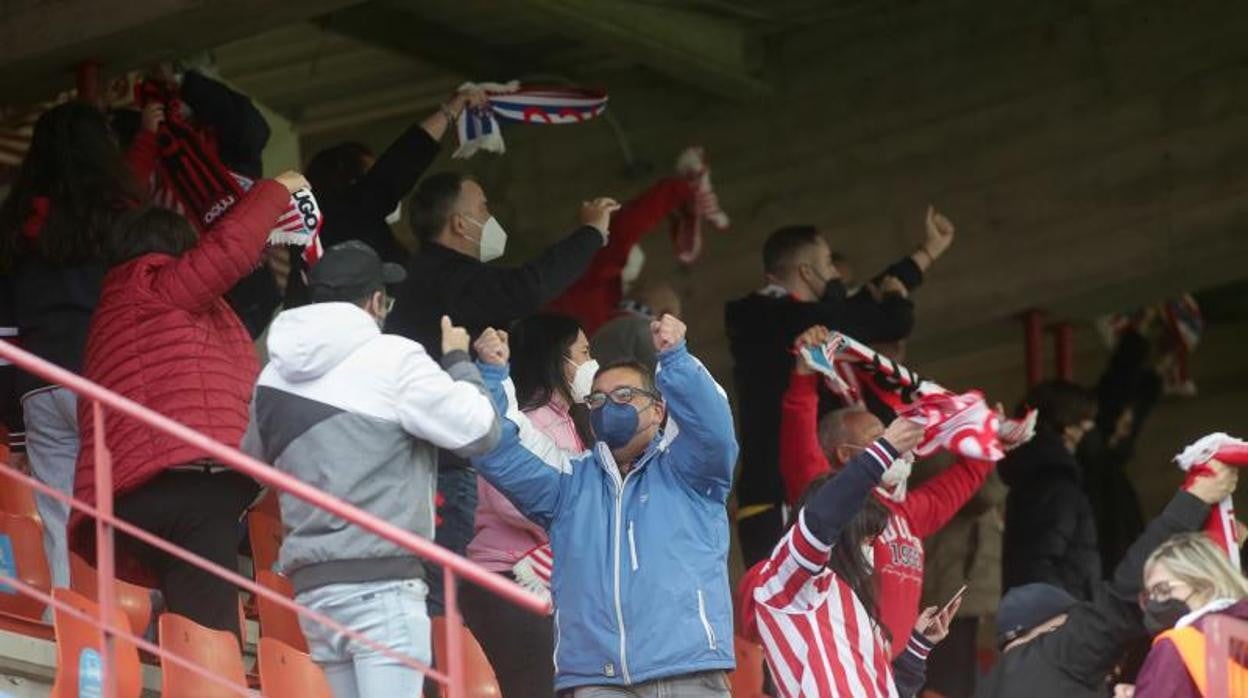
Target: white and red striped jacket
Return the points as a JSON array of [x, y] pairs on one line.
[[817, 637]]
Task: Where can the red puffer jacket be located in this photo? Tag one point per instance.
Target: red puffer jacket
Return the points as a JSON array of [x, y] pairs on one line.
[[164, 336]]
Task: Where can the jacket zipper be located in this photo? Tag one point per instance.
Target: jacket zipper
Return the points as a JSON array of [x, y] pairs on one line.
[[619, 608], [706, 624], [632, 546], [555, 654]]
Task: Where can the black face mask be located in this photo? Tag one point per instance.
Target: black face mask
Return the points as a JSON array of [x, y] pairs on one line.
[[1160, 616]]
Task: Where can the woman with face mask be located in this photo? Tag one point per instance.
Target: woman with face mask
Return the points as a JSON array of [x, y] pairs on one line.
[[1187, 581], [552, 371]]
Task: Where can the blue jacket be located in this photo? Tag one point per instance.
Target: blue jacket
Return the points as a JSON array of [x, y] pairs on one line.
[[640, 580]]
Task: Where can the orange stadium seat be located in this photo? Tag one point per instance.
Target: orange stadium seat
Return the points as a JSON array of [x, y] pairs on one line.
[[265, 532], [276, 621], [215, 650], [479, 680], [78, 661], [285, 672], [133, 600], [17, 498], [21, 555]]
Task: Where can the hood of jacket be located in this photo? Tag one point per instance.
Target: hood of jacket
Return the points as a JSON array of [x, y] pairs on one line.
[[1044, 456], [306, 342]]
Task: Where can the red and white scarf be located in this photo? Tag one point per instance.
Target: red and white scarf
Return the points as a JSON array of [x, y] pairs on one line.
[[960, 423], [1195, 461], [533, 570]]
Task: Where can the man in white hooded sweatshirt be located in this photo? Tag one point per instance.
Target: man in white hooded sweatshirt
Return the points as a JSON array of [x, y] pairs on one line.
[[360, 415]]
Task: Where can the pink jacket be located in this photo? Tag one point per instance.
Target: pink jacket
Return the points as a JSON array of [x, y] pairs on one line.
[[503, 535]]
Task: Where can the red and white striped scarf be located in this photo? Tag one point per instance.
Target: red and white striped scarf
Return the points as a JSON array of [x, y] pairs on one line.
[[1194, 459], [960, 423]]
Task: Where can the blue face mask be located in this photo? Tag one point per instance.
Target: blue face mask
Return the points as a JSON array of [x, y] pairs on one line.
[[614, 424]]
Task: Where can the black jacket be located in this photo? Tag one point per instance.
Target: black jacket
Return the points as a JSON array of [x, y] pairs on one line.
[[1074, 661], [51, 308], [1050, 532], [761, 328], [359, 211], [441, 281]]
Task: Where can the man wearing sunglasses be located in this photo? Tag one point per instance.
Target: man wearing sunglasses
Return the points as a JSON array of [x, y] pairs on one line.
[[637, 524], [1053, 645]]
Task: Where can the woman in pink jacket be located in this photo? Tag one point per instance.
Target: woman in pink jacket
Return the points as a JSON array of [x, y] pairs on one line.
[[553, 372]]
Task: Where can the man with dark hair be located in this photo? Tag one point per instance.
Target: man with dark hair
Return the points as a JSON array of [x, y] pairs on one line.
[[362, 414], [449, 276], [637, 524], [803, 290], [1050, 531]]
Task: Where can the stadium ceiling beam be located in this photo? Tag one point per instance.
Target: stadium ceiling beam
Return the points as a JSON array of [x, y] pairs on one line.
[[406, 33], [718, 55], [41, 42]]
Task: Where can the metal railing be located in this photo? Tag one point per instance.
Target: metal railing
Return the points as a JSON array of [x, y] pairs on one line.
[[453, 566]]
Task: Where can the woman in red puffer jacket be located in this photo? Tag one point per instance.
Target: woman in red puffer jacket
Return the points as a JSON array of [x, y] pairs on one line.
[[164, 336]]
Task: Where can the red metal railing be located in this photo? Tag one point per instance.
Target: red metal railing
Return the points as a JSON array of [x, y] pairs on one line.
[[453, 565]]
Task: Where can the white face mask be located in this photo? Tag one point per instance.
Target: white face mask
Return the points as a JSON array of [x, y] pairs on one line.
[[583, 380], [493, 239], [396, 215]]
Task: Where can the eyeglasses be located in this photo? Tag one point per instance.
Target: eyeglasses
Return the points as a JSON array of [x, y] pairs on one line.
[[1160, 591], [622, 395]]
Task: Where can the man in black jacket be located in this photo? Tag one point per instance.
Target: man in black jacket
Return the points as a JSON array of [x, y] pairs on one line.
[[1050, 530], [803, 289], [1068, 650], [449, 276]]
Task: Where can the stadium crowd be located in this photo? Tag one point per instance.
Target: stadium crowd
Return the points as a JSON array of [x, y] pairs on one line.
[[550, 421]]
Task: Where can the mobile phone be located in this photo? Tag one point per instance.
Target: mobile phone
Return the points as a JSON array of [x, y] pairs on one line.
[[957, 595]]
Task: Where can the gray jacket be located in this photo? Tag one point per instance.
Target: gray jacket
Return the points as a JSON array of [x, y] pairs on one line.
[[360, 415]]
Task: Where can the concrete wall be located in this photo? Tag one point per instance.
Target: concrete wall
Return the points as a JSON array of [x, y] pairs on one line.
[[1089, 153]]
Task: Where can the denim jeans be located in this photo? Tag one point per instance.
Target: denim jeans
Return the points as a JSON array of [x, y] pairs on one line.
[[708, 684], [51, 417], [391, 613], [457, 485]]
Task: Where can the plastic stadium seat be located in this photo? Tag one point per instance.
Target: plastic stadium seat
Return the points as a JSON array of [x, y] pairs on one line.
[[78, 658], [269, 505], [287, 672], [17, 498], [265, 532], [21, 556], [135, 601], [276, 621], [479, 681], [747, 680], [214, 650]]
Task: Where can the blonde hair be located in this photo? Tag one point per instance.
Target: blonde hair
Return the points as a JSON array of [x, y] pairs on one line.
[[1197, 562]]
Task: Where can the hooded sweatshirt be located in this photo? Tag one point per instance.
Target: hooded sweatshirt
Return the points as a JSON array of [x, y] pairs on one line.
[[360, 415], [1050, 531]]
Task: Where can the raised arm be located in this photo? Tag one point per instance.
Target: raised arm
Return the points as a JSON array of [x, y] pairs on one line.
[[801, 457], [931, 505], [446, 406], [699, 432], [1091, 641], [241, 130], [804, 552], [532, 476], [402, 164], [230, 249], [498, 296]]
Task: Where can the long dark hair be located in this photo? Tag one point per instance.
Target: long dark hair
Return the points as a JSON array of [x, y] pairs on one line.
[[75, 163], [539, 351], [847, 561]]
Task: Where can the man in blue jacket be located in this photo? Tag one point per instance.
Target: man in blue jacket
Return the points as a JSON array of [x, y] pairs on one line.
[[637, 524]]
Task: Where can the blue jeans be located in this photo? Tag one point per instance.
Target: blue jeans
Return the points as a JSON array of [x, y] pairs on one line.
[[457, 483], [51, 417], [391, 613]]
